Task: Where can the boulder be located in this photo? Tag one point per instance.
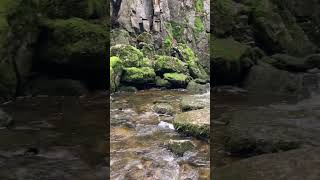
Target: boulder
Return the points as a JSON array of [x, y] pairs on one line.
[[116, 69], [130, 56], [195, 123], [163, 108], [138, 75], [198, 88], [177, 80], [194, 102], [179, 147], [295, 165], [168, 64]]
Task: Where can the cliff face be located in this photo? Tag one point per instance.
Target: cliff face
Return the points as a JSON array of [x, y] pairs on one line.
[[183, 21]]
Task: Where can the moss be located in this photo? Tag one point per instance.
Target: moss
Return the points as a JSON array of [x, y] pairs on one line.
[[115, 72], [138, 75], [177, 30], [75, 40], [131, 56], [162, 82], [145, 37], [177, 79], [227, 49], [199, 6], [199, 26], [168, 64]]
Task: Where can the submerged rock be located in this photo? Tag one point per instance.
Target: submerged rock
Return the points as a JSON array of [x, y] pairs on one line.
[[5, 119], [163, 108], [179, 147], [195, 123], [296, 164], [193, 102]]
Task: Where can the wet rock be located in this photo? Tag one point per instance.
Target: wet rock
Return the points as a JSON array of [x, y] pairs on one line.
[[162, 82], [193, 102], [165, 125], [5, 119], [228, 63], [197, 88], [116, 69], [177, 80], [296, 164], [163, 108], [265, 79], [270, 129], [179, 147], [128, 89], [195, 123]]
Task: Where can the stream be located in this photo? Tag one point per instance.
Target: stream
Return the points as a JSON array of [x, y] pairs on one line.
[[248, 124], [139, 138], [61, 138]]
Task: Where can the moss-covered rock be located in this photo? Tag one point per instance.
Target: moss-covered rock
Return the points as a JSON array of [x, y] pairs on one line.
[[75, 42], [131, 56], [177, 79], [138, 75], [116, 68], [179, 147], [119, 36], [195, 123], [145, 37], [168, 64], [228, 62], [162, 82]]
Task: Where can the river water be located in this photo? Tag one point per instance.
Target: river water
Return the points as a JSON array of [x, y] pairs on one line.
[[60, 138], [139, 137], [266, 118]]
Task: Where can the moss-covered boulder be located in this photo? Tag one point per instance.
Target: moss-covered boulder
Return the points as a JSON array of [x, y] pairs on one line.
[[177, 80], [116, 68], [138, 75], [160, 82], [130, 56], [168, 64], [74, 42], [195, 123], [119, 36], [227, 60], [187, 55], [145, 37]]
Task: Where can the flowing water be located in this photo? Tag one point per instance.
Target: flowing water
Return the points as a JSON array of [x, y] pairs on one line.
[[292, 118], [139, 138], [60, 138]]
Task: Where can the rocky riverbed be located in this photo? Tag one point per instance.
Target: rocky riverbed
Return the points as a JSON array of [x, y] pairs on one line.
[[265, 137], [145, 143], [54, 138]]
